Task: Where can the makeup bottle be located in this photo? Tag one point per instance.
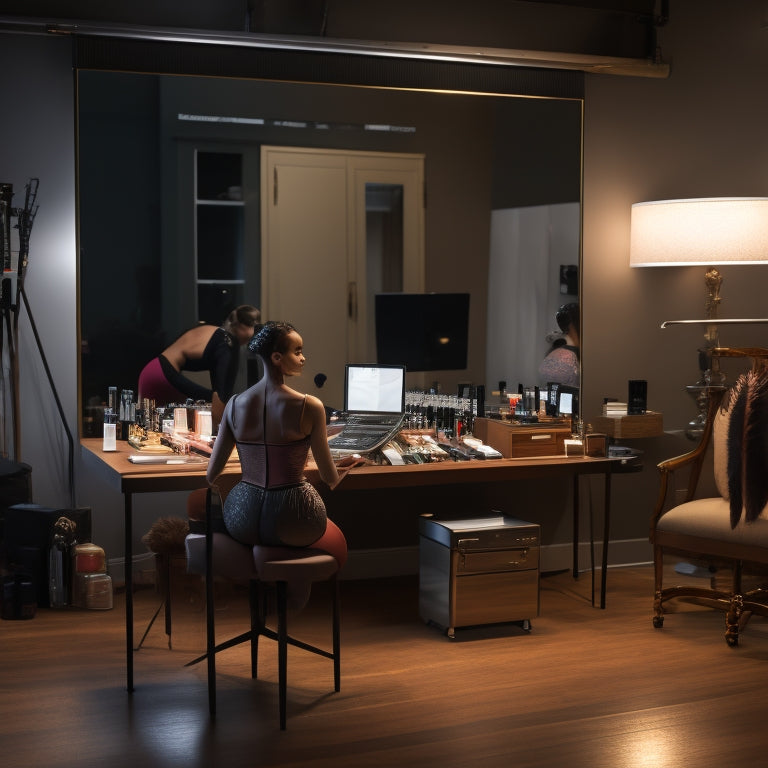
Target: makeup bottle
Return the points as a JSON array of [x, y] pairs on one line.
[[110, 430]]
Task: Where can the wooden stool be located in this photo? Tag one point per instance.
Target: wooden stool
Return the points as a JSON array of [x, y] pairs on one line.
[[290, 571]]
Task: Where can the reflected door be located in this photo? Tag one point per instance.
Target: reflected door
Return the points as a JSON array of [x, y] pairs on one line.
[[337, 228]]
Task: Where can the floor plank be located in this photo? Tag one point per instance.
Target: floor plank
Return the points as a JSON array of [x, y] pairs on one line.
[[584, 688]]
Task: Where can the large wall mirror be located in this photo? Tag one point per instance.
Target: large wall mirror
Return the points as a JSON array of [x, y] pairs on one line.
[[169, 186]]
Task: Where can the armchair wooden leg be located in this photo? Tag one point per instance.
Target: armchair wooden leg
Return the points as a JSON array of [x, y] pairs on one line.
[[658, 574], [732, 618]]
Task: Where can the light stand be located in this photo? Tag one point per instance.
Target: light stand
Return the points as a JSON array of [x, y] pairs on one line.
[[12, 295]]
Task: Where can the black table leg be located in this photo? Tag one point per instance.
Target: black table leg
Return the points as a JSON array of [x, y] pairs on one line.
[[576, 526], [210, 642], [592, 540], [606, 535], [129, 590]]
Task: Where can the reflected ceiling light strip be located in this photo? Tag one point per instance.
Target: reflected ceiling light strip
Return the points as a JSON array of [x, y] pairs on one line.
[[511, 57], [390, 128], [184, 117], [308, 124]]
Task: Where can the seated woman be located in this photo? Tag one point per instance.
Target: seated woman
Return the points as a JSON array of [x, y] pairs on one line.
[[561, 365], [273, 428], [202, 348]]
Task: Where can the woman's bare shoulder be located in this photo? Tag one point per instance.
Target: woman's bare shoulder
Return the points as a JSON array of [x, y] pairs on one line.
[[314, 403], [191, 343]]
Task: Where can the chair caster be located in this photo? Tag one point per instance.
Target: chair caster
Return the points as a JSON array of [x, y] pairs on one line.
[[658, 622], [732, 640]]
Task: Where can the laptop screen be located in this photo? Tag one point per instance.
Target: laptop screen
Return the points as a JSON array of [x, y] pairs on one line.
[[374, 388]]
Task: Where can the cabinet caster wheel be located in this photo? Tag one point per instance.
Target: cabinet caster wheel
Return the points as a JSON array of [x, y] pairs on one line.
[[527, 626], [658, 622]]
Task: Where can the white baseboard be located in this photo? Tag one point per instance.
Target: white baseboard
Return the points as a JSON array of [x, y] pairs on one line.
[[143, 569], [404, 561]]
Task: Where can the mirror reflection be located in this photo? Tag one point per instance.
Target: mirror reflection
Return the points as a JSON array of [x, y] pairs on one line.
[[479, 194]]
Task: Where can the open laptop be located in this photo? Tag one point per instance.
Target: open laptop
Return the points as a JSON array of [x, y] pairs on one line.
[[374, 403]]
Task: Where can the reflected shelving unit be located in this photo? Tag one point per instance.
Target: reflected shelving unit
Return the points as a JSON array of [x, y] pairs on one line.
[[219, 225]]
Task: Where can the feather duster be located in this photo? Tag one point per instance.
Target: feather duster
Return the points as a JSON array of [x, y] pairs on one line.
[[755, 447], [736, 403], [166, 536]]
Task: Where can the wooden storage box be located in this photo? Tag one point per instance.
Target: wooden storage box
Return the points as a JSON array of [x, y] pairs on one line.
[[515, 441], [649, 424]]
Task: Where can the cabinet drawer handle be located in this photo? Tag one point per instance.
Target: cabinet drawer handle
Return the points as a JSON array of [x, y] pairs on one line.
[[541, 437]]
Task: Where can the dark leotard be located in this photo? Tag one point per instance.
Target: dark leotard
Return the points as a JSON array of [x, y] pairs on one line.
[[161, 382], [278, 507]]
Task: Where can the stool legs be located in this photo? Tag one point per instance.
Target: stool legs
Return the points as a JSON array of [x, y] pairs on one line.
[[282, 647], [257, 600], [258, 618], [258, 627]]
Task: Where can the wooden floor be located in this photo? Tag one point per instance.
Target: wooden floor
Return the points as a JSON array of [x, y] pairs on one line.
[[585, 687]]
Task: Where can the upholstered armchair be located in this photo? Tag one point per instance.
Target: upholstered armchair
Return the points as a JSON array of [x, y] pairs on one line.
[[729, 530]]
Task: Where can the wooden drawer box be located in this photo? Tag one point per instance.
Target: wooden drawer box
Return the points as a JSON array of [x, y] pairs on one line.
[[514, 441], [649, 424]]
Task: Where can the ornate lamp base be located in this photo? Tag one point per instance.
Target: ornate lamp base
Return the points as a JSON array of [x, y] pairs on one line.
[[699, 393]]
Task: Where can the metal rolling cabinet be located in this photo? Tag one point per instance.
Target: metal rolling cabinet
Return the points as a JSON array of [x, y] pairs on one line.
[[476, 571]]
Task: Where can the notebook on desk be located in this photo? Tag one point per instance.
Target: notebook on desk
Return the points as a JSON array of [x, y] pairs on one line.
[[374, 403], [154, 458]]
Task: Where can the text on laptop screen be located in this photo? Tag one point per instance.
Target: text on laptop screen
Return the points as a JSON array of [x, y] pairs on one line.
[[375, 388]]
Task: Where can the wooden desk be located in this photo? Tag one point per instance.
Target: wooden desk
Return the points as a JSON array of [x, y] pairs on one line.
[[495, 471], [131, 478]]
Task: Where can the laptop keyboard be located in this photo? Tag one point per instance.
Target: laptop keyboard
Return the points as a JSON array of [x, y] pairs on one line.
[[364, 432], [373, 420]]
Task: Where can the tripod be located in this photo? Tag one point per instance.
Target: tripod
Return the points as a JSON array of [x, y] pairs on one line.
[[12, 295]]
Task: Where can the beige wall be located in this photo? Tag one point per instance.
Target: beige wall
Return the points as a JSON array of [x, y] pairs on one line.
[[700, 133]]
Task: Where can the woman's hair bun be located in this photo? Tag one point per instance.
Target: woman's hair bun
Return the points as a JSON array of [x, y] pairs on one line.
[[567, 317], [270, 338]]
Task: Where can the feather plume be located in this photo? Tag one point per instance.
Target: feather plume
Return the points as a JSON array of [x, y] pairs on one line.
[[736, 403], [166, 536], [755, 447]]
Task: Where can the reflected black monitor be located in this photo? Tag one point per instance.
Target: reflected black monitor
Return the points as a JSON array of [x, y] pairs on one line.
[[423, 331]]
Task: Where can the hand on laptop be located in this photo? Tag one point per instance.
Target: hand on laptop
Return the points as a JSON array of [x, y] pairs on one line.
[[353, 460]]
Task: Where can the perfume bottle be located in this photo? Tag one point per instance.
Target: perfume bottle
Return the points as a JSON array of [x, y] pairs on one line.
[[110, 430]]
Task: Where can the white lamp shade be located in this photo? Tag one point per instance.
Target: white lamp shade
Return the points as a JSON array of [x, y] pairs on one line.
[[703, 231]]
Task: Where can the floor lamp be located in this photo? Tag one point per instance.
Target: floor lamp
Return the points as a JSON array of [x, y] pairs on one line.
[[707, 232]]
